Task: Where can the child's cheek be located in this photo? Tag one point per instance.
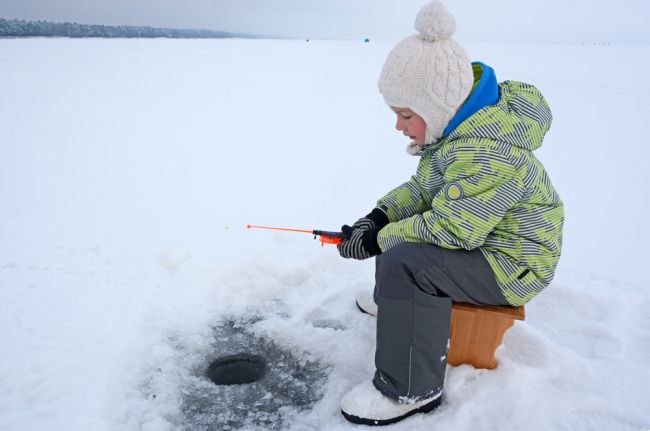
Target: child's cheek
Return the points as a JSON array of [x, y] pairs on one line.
[[420, 128]]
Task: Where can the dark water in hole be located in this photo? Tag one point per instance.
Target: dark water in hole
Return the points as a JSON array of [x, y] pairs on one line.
[[289, 385], [236, 369]]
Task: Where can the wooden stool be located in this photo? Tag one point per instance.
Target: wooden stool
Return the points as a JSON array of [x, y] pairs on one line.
[[477, 331]]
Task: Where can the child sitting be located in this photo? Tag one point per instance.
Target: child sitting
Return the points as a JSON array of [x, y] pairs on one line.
[[479, 222]]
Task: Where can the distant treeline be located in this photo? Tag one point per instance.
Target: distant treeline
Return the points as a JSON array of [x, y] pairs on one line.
[[20, 28]]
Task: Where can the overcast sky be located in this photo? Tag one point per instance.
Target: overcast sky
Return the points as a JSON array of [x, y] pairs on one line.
[[477, 20]]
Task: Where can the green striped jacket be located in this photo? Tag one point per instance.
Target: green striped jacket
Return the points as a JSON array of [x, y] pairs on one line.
[[482, 187]]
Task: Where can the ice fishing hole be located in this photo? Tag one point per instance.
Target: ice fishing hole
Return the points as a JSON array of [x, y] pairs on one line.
[[236, 369]]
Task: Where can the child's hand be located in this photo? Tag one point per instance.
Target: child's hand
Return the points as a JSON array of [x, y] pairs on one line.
[[361, 245], [376, 219], [364, 223]]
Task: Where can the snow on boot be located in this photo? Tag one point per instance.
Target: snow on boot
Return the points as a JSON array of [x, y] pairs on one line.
[[367, 406]]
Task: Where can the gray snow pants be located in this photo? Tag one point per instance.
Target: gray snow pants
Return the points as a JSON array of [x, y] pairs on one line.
[[415, 286]]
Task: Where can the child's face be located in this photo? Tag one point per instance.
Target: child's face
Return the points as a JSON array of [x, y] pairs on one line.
[[410, 124]]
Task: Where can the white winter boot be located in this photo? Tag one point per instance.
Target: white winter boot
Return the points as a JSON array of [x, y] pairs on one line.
[[366, 302], [367, 406]]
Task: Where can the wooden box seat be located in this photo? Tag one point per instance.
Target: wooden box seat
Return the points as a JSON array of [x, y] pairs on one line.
[[477, 331]]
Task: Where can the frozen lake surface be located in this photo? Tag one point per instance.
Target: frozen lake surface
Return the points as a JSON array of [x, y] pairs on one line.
[[122, 162]]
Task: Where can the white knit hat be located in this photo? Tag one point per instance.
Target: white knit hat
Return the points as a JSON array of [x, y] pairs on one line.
[[429, 72]]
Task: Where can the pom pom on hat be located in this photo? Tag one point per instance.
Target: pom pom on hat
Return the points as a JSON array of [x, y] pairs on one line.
[[434, 22]]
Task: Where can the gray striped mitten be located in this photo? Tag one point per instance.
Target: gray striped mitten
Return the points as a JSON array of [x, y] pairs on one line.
[[364, 223], [376, 219], [362, 244]]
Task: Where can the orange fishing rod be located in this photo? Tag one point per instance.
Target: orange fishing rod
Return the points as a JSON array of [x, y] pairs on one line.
[[325, 236]]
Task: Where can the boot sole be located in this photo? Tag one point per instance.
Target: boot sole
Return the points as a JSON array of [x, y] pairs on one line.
[[434, 404]]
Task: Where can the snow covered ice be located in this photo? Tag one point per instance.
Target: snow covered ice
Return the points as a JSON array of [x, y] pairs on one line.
[[122, 161], [171, 258]]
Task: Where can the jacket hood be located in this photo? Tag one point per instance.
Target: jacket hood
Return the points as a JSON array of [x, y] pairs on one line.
[[521, 117], [485, 91]]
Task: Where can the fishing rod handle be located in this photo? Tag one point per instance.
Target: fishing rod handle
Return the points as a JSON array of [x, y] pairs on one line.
[[332, 234]]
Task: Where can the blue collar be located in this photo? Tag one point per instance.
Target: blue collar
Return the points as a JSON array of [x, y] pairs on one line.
[[485, 93]]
